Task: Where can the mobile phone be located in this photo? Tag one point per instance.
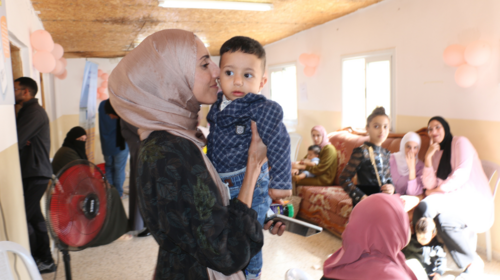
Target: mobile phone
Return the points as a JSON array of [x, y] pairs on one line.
[[294, 225]]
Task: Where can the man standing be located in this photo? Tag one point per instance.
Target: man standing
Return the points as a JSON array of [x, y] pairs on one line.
[[33, 134], [113, 146]]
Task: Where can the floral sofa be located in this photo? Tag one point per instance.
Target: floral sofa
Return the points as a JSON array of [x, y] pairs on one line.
[[330, 206]]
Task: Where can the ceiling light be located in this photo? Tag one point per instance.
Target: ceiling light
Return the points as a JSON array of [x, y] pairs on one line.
[[219, 5]]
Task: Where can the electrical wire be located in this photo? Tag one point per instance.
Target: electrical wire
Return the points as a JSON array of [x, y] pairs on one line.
[[8, 239]]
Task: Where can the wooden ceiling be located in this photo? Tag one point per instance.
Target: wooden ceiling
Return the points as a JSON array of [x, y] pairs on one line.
[[111, 28]]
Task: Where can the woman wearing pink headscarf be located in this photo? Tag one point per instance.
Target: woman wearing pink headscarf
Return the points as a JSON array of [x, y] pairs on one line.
[[371, 244], [326, 170], [159, 87]]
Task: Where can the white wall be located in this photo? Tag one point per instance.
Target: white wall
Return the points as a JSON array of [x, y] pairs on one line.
[[68, 91], [419, 31]]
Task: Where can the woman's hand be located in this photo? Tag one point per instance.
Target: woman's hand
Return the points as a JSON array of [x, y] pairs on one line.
[[433, 191], [411, 161], [387, 188], [257, 156], [278, 228], [257, 153], [433, 148]]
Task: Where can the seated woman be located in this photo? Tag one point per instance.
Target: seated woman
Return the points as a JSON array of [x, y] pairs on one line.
[[406, 168], [370, 161], [74, 149], [326, 169], [372, 241], [458, 195]]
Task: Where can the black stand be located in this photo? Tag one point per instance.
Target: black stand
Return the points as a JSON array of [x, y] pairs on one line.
[[67, 265]]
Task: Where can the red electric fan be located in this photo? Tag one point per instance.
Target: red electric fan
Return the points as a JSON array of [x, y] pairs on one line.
[[78, 198]]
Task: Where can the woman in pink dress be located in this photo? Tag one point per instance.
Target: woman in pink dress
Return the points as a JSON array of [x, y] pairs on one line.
[[406, 168], [458, 195]]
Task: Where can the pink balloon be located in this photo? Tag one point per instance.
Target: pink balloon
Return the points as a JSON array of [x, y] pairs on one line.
[[101, 90], [105, 76], [64, 61], [309, 71], [104, 84], [63, 75], [41, 40], [99, 96], [58, 51], [466, 75], [453, 55], [44, 61], [59, 69], [104, 96], [477, 53], [310, 60], [99, 72]]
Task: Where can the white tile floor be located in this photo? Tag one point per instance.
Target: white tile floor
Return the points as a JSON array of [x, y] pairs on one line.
[[136, 259]]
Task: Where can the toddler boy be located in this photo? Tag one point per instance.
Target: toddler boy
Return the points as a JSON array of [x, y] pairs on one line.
[[311, 159], [242, 63]]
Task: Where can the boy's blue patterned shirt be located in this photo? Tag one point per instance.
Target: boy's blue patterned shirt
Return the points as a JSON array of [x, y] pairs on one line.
[[231, 134]]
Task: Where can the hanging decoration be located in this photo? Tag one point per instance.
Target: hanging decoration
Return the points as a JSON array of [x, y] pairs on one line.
[[102, 90], [48, 56], [310, 61], [467, 59]]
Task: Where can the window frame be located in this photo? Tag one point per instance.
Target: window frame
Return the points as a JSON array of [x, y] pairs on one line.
[[291, 125], [373, 57]]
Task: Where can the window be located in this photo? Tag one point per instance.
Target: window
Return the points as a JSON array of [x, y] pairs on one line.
[[283, 90], [367, 82]]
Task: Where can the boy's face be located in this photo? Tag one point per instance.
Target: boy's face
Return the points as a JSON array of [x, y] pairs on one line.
[[241, 73], [426, 238], [311, 155]]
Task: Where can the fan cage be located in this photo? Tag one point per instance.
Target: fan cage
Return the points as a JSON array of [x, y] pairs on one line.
[[66, 221]]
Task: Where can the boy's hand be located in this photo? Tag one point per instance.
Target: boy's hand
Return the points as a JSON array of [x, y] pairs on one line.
[[279, 194]]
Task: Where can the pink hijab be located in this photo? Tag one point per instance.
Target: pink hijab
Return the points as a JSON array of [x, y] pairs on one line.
[[371, 244], [322, 131], [152, 89]]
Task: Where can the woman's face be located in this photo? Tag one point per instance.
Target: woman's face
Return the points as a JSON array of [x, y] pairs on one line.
[[82, 138], [436, 131], [205, 85], [317, 137], [411, 147]]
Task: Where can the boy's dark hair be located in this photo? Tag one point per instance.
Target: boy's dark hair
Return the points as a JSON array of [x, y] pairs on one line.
[[379, 111], [244, 45], [29, 83], [108, 109], [425, 225], [315, 148]]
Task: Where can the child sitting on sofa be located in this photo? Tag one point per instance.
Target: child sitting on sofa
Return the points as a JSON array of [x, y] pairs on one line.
[[426, 249], [312, 159], [370, 161]]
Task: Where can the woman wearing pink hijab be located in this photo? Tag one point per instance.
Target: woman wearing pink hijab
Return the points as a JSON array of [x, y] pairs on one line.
[[371, 244], [326, 170], [159, 87]]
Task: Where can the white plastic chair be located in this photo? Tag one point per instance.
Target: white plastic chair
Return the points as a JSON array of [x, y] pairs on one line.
[[490, 168], [5, 271], [295, 141]]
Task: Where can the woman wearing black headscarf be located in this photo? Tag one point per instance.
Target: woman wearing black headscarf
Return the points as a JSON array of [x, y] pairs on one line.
[[73, 148], [458, 194]]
